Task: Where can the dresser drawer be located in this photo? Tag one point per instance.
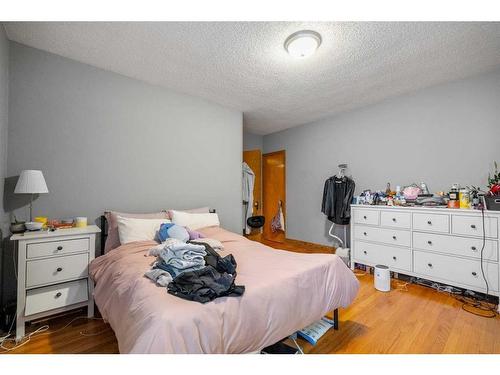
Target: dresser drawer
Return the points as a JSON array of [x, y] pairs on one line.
[[395, 219], [456, 270], [43, 249], [470, 247], [431, 222], [363, 216], [394, 257], [387, 236], [54, 270], [473, 226], [56, 296]]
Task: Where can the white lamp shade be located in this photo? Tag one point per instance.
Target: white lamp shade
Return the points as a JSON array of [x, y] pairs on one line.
[[31, 182]]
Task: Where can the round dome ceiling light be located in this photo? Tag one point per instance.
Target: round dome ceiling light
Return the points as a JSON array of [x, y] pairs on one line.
[[303, 44]]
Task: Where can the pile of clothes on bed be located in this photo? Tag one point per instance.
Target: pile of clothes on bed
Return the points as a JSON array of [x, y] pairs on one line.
[[189, 266]]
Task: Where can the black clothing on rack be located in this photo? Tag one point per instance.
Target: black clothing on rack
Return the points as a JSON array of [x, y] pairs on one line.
[[337, 197]]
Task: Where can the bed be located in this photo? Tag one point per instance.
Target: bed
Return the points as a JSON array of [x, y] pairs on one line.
[[285, 292]]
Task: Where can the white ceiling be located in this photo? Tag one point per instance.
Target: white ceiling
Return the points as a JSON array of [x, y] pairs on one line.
[[243, 65]]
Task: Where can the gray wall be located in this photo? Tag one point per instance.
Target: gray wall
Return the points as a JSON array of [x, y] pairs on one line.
[[441, 135], [5, 252], [4, 118], [252, 141], [105, 141]]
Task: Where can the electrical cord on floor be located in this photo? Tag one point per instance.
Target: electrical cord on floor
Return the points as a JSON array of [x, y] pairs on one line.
[[480, 306], [43, 330]]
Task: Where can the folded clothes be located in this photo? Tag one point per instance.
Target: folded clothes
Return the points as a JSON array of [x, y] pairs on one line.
[[212, 242], [155, 251], [161, 277]]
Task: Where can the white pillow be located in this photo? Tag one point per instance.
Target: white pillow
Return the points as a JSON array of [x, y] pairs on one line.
[[131, 229], [194, 221]]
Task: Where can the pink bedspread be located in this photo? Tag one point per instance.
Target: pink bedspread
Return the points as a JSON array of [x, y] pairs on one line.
[[285, 292]]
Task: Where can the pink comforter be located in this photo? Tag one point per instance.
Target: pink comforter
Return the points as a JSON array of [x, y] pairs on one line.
[[285, 292]]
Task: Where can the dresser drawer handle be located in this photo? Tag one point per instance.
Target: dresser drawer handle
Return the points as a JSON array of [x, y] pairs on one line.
[[59, 269], [394, 219], [393, 237], [473, 226], [474, 274], [364, 252], [59, 248], [473, 248], [58, 294], [364, 233], [364, 217], [429, 222], [429, 264], [394, 258], [429, 242]]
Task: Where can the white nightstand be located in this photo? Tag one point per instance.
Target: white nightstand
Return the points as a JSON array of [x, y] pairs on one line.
[[53, 273]]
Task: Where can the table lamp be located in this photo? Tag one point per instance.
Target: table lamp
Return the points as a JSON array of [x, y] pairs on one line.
[[31, 182]]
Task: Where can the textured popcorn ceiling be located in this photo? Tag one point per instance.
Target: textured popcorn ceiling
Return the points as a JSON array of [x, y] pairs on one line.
[[244, 65]]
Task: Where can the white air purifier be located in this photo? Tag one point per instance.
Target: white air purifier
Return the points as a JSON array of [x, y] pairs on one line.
[[382, 278]]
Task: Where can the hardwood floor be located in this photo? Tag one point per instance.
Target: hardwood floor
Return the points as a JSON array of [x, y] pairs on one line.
[[411, 319]]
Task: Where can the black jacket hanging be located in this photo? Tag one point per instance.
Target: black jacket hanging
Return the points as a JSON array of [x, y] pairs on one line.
[[337, 197]]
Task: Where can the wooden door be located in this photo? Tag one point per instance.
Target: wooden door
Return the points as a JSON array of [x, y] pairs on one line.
[[254, 160], [274, 191]]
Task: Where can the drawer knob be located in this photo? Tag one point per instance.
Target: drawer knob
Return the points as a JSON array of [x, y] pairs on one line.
[[364, 217], [59, 269], [474, 274], [429, 222], [394, 219], [365, 252], [473, 248], [364, 233], [393, 237], [58, 294], [430, 265], [473, 226], [59, 248], [394, 258], [429, 242]]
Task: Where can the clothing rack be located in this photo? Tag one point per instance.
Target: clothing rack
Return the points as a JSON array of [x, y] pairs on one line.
[[342, 168]]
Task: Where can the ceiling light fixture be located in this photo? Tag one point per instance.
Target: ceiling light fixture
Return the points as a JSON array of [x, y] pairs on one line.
[[303, 44]]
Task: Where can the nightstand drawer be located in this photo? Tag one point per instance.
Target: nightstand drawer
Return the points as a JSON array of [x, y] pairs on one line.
[[43, 249], [54, 270], [56, 296]]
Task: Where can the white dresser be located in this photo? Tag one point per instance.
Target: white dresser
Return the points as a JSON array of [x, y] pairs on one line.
[[52, 273], [437, 244]]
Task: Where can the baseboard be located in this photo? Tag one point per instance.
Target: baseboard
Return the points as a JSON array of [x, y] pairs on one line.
[[311, 245]]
